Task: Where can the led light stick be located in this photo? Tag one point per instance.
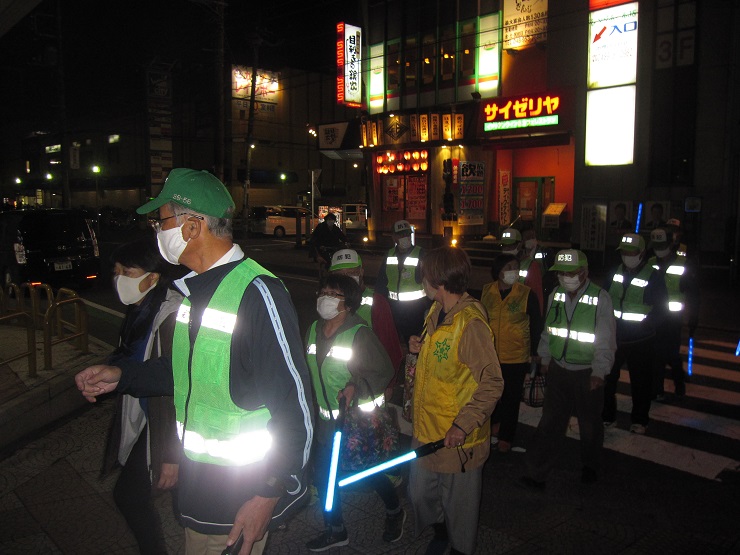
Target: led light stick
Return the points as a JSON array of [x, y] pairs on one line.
[[737, 351], [423, 451], [334, 464], [639, 216], [691, 355]]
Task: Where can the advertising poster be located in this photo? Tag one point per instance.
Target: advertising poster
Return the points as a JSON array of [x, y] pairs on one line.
[[472, 178], [504, 197], [416, 197], [593, 225], [391, 199]]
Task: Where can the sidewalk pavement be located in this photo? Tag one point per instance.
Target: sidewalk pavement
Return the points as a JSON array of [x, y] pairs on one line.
[[53, 500]]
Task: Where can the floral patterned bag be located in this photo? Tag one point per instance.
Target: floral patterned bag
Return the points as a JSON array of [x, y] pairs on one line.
[[368, 438]]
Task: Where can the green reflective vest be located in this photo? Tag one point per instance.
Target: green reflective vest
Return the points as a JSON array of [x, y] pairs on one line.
[[672, 275], [573, 340], [402, 284], [212, 428], [334, 373], [628, 300], [366, 306]]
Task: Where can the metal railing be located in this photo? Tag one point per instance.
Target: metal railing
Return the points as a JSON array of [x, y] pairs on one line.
[[31, 341], [80, 330]]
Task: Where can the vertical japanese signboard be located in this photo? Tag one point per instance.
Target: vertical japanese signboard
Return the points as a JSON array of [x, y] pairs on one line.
[[525, 23], [472, 178], [504, 197], [391, 197], [593, 225], [349, 61], [416, 197]]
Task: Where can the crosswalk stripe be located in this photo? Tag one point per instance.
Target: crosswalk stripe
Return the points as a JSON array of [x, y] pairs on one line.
[[704, 392], [714, 372], [723, 355]]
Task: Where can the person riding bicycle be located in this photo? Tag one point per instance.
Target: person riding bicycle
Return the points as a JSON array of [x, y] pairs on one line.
[[326, 239]]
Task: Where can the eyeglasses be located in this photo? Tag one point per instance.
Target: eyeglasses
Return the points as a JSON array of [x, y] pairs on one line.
[[331, 294], [156, 223]]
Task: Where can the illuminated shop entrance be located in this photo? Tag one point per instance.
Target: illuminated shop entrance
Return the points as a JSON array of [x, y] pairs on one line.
[[531, 196]]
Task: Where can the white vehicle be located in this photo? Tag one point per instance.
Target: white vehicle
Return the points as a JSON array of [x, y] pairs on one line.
[[354, 216], [278, 221]]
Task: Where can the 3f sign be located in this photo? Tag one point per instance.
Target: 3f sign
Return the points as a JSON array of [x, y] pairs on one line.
[[675, 49]]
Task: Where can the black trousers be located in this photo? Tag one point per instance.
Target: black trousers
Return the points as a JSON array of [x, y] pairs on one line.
[[133, 497], [506, 412], [640, 359], [668, 353]]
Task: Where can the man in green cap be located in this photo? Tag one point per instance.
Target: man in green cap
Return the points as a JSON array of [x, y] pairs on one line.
[[577, 352], [640, 300], [237, 371]]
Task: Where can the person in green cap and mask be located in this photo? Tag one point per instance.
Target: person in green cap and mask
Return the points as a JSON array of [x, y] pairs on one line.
[[237, 371]]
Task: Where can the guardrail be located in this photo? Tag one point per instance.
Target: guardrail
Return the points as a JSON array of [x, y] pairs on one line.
[[49, 320], [81, 328], [31, 341]]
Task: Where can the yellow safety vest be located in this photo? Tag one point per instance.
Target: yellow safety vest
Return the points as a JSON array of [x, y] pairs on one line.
[[509, 321]]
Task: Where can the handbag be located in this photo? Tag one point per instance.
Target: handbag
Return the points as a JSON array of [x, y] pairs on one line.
[[409, 375], [369, 437], [533, 392]]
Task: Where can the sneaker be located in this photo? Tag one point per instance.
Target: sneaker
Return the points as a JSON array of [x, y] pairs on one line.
[[638, 429], [327, 540], [588, 475], [394, 526]]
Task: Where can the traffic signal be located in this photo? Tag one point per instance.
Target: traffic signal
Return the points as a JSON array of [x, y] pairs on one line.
[[447, 173]]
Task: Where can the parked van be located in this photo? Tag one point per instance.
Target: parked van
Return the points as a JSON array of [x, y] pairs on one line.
[[54, 246], [277, 221]]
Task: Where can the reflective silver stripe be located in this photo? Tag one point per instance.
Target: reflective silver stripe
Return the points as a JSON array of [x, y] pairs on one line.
[[218, 320], [539, 255], [656, 267], [183, 314], [630, 316], [559, 297], [675, 270], [341, 353], [368, 406], [393, 295], [367, 300], [311, 349], [580, 336], [681, 253], [411, 261], [675, 306], [411, 296], [243, 449], [391, 260], [589, 300], [619, 278], [637, 282], [523, 273]]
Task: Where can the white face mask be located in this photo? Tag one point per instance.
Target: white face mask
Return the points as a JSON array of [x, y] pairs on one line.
[[662, 253], [430, 292], [631, 261], [529, 244], [404, 243], [171, 244], [510, 276], [128, 288], [327, 307], [569, 283], [512, 252]]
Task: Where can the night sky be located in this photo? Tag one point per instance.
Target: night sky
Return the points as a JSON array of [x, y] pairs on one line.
[[107, 45]]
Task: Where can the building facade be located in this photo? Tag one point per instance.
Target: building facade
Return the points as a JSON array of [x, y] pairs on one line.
[[579, 118]]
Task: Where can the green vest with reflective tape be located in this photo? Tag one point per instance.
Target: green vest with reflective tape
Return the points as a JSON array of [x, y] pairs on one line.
[[402, 285], [573, 340], [524, 269], [212, 428], [366, 306], [628, 301], [334, 372], [672, 275]]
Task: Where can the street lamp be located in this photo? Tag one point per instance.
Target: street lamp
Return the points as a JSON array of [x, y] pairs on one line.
[[96, 170]]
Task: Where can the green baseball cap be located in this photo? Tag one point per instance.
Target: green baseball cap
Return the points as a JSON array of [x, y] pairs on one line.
[[510, 236], [345, 259], [632, 242], [568, 260], [199, 191]]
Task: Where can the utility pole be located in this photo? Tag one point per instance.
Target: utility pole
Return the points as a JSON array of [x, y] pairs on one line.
[[256, 40], [220, 8]]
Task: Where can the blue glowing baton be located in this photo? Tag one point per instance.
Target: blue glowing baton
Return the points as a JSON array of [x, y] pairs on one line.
[[639, 215], [334, 464], [737, 351], [691, 355], [423, 451]]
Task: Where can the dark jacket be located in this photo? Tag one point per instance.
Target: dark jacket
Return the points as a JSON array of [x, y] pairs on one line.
[[267, 368], [150, 325]]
